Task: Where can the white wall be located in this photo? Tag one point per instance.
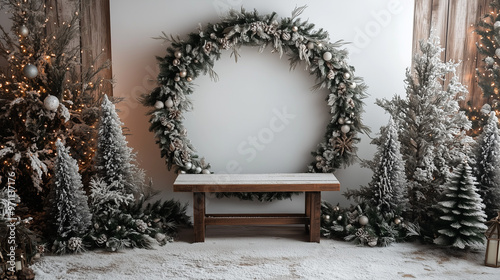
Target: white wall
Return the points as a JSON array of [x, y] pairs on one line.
[[249, 92]]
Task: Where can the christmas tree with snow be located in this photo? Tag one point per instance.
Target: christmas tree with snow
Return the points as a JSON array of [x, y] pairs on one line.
[[487, 169], [115, 162], [462, 217], [377, 219], [387, 190], [432, 129], [72, 215], [45, 95]]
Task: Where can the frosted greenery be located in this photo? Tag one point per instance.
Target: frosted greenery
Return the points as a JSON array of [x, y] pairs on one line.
[[461, 212], [487, 169], [432, 129], [72, 213]]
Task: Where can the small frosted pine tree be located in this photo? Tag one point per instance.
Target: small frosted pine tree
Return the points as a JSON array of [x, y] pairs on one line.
[[387, 190], [432, 129], [462, 215], [72, 213], [115, 162], [487, 169]]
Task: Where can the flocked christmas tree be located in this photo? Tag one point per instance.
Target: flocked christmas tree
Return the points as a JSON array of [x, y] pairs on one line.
[[114, 159], [45, 94], [377, 219], [387, 190], [487, 169], [488, 74], [432, 129], [461, 211], [72, 215]]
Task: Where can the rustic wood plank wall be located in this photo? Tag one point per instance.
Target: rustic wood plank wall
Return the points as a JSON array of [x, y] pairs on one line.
[[454, 22], [94, 39]]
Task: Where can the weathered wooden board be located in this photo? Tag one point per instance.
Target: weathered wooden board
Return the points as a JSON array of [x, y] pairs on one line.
[[454, 22]]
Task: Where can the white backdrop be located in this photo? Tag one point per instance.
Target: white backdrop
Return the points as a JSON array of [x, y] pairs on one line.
[[250, 94]]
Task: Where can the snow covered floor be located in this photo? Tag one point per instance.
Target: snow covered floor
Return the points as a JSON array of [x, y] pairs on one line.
[[251, 252]]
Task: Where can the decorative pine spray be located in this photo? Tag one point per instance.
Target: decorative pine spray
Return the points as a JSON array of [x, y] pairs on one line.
[[462, 217]]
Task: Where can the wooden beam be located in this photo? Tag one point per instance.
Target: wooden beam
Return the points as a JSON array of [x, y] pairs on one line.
[[96, 38]]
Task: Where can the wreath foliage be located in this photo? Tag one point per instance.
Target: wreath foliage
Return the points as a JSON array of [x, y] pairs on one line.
[[188, 58]]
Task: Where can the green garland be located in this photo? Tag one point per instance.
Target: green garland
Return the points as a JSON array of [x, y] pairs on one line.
[[187, 59]]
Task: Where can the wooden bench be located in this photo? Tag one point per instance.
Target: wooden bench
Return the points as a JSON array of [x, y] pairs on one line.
[[310, 183]]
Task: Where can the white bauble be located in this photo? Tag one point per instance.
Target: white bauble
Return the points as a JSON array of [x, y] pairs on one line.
[[327, 217], [189, 79], [347, 75], [183, 73], [295, 29], [188, 165], [30, 71], [23, 31], [183, 172], [489, 60], [345, 128], [353, 85], [177, 78], [159, 105], [169, 103], [339, 218], [327, 56], [178, 54], [198, 169], [320, 45], [496, 24], [363, 220], [205, 171], [310, 45], [51, 103], [397, 221], [341, 120]]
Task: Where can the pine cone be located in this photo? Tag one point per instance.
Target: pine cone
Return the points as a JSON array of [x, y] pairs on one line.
[[141, 225], [75, 243], [102, 239], [331, 75]]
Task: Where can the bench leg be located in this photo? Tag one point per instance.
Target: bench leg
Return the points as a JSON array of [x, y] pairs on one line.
[[315, 213], [308, 209], [199, 216]]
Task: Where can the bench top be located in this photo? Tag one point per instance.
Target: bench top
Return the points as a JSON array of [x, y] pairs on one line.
[[278, 182]]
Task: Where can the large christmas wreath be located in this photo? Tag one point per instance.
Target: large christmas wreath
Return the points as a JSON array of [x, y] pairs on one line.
[[195, 55]]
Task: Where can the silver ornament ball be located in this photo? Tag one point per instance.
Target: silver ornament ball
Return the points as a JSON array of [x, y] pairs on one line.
[[159, 105], [327, 56], [347, 75], [183, 74], [397, 221], [320, 45], [339, 218], [341, 120], [178, 54], [169, 103], [23, 31], [295, 29], [205, 171], [189, 79], [30, 71], [177, 78], [188, 165], [198, 169], [353, 85], [327, 217], [363, 220], [310, 45], [345, 128], [51, 103]]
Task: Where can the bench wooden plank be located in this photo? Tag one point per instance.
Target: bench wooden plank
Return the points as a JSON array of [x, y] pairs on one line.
[[279, 182]]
